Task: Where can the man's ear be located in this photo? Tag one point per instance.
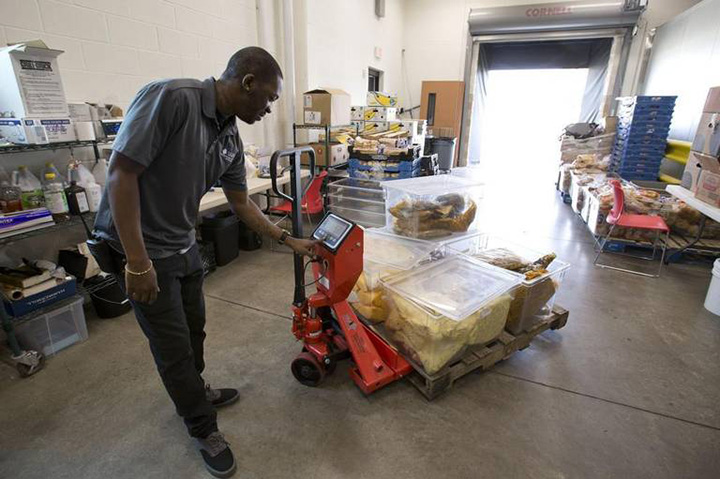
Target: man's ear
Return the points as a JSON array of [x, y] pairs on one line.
[[248, 82]]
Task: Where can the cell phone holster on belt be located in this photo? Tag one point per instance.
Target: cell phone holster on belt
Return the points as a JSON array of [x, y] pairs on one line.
[[106, 258]]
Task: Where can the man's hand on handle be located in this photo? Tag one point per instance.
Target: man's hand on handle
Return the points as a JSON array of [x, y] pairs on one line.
[[302, 246], [141, 288]]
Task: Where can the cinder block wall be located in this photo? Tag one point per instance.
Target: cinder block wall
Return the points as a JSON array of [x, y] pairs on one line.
[[113, 47]]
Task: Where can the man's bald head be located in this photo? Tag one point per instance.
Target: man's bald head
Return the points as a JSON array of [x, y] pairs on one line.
[[255, 61]]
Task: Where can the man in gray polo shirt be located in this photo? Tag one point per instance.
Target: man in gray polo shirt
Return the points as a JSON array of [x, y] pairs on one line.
[[178, 138]]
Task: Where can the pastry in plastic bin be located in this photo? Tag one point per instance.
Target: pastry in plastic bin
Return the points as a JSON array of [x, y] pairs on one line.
[[425, 219], [433, 340]]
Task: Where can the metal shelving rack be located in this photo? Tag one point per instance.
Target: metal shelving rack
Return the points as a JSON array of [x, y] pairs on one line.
[[327, 129], [73, 221], [56, 146]]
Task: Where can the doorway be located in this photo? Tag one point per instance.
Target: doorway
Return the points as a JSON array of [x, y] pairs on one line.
[[525, 111]]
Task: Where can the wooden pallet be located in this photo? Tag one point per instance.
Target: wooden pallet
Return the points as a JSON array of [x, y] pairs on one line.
[[482, 358]]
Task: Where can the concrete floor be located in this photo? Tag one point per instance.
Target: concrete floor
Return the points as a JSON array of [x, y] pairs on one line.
[[628, 389]]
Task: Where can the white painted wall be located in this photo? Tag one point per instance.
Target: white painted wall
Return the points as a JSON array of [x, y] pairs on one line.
[[341, 37], [685, 61], [113, 47], [435, 35]]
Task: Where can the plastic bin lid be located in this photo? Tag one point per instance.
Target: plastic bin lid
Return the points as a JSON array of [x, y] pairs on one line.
[[455, 287], [497, 245], [396, 251], [431, 185], [358, 183]]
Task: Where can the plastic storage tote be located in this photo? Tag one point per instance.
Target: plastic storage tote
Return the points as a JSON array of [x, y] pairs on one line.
[[384, 255], [432, 207], [358, 200], [364, 218], [440, 309], [535, 296], [54, 328]]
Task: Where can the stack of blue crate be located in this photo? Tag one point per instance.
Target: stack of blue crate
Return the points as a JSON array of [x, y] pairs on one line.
[[380, 169], [643, 126]]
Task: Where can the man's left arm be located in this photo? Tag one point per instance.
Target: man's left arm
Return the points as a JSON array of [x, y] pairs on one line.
[[250, 214]]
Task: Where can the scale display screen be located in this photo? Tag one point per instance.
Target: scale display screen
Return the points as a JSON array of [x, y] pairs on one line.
[[332, 231]]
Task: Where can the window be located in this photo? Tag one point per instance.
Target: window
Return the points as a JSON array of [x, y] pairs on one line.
[[374, 79]]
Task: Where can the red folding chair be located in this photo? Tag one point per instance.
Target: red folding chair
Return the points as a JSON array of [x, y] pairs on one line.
[[312, 202], [618, 217]]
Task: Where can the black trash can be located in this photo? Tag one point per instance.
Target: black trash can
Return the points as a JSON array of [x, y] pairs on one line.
[[223, 230], [109, 300], [249, 239], [445, 149]]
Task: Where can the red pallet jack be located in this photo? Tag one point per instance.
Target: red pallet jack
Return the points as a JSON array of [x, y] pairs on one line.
[[324, 322]]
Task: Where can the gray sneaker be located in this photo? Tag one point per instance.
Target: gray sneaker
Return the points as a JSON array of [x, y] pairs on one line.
[[221, 397], [215, 450]]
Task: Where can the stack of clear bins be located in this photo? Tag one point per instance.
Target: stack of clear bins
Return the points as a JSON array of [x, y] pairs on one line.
[[535, 297], [360, 201], [386, 254], [432, 207], [440, 309]]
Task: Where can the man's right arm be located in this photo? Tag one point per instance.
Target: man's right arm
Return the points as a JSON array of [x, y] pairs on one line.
[[124, 196]]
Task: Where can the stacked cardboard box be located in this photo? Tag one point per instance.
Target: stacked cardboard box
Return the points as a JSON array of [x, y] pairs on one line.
[[33, 108], [702, 172]]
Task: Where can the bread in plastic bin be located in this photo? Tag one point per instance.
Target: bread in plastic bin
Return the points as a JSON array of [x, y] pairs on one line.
[[435, 340]]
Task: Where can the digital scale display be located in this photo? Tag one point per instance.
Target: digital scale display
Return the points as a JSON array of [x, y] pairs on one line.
[[332, 231]]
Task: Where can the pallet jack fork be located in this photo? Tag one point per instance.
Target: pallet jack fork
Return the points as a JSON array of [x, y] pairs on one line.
[[324, 322]]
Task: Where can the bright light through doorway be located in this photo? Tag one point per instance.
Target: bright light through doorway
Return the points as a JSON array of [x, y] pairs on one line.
[[525, 113]]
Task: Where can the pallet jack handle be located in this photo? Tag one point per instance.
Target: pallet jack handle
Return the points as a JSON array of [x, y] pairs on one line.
[[297, 192]]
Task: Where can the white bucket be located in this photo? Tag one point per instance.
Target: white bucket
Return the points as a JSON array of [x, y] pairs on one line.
[[712, 300]]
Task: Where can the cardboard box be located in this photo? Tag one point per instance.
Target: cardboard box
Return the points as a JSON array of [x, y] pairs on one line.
[[379, 98], [374, 127], [81, 112], [712, 104], [30, 83], [326, 106], [359, 125], [693, 167], [379, 113], [16, 131], [708, 186], [357, 113], [338, 154], [23, 306], [707, 138]]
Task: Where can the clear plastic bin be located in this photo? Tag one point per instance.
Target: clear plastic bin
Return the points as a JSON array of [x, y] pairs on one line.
[[352, 203], [432, 207], [385, 254], [52, 329], [357, 189], [440, 309], [361, 217], [534, 297]]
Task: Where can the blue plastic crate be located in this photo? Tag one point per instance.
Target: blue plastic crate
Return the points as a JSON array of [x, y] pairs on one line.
[[654, 119], [647, 141], [647, 99], [390, 167], [643, 107], [376, 175], [658, 122], [640, 130], [638, 159], [638, 150]]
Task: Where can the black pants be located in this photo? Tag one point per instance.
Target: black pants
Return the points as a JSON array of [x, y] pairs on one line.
[[174, 326]]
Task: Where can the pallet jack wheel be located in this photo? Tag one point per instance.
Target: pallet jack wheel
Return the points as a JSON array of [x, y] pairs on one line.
[[307, 370]]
